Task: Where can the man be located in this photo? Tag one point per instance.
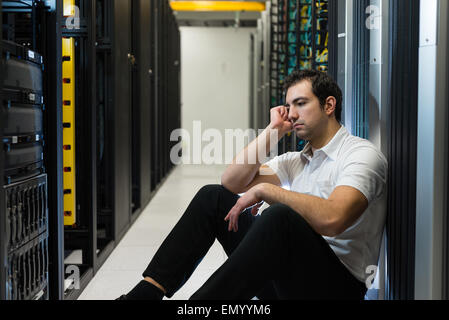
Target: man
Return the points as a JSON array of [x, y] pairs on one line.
[[321, 231]]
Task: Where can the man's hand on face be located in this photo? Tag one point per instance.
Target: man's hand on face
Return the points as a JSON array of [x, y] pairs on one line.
[[280, 121]]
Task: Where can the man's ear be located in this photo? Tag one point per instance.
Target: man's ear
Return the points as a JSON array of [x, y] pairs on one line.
[[330, 105]]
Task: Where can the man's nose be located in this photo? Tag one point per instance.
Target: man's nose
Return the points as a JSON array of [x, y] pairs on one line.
[[292, 114]]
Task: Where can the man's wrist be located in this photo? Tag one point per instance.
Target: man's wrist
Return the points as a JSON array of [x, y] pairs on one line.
[[279, 132], [261, 190]]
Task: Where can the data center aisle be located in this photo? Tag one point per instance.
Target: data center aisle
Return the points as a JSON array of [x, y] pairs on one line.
[[123, 269]]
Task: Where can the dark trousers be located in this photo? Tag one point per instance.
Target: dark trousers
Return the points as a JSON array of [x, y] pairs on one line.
[[276, 255]]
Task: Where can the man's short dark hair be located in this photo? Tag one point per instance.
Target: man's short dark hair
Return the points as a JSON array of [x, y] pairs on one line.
[[323, 86]]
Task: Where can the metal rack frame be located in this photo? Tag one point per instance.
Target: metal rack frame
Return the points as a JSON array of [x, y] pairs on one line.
[[84, 234], [53, 161], [2, 196], [103, 97], [333, 38]]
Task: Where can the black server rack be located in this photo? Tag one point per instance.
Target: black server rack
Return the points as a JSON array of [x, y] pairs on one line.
[[136, 108], [126, 80], [154, 99], [104, 129], [156, 110], [361, 65], [166, 111], [80, 247], [52, 48], [160, 30], [130, 130], [24, 206], [174, 85], [283, 55], [121, 62], [3, 254], [26, 239], [402, 150]]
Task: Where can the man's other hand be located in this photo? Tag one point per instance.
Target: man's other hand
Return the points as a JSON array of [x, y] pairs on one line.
[[249, 199]]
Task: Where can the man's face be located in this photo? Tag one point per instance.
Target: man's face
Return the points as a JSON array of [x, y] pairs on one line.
[[305, 112]]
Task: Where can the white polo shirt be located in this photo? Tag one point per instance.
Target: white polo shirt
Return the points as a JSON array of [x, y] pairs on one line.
[[345, 161]]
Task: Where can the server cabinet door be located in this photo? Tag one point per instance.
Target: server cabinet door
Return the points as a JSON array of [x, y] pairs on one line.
[[3, 217], [145, 72], [136, 108], [122, 57]]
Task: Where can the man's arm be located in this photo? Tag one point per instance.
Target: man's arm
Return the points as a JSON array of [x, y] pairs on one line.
[[328, 217], [246, 170]]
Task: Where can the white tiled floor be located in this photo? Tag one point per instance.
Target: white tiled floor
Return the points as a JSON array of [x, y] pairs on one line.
[[124, 267]]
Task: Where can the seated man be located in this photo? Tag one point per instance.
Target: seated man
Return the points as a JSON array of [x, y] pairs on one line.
[[323, 227]]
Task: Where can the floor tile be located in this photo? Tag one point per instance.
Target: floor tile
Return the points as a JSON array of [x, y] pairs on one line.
[[123, 268]]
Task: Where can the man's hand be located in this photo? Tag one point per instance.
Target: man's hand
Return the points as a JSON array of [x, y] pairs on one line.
[[250, 199], [279, 120]]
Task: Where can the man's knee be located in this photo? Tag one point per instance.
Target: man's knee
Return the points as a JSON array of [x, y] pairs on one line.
[[207, 203], [282, 214], [278, 211], [214, 198], [208, 191]]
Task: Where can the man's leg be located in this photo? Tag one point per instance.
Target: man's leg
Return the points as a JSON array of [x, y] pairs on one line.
[[194, 234], [281, 247]]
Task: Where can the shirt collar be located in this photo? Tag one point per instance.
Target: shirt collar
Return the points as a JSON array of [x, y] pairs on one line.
[[331, 149], [307, 152]]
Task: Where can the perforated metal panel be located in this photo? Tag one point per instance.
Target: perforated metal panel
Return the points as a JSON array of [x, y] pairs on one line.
[[402, 124]]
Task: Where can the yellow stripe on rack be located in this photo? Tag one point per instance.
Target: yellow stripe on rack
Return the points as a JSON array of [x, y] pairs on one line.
[[68, 8], [217, 6], [68, 133]]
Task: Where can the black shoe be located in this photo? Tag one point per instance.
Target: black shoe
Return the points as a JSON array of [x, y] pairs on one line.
[[143, 291]]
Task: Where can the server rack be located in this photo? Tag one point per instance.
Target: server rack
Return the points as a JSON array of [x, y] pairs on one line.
[[313, 34], [160, 87], [403, 84], [130, 99], [54, 158], [154, 99], [143, 76], [80, 228], [3, 271], [174, 85], [260, 43], [24, 206], [251, 78], [292, 54], [114, 121], [280, 18], [165, 27], [257, 106], [276, 41], [260, 108], [333, 27], [361, 63], [136, 107], [266, 25], [121, 62], [104, 131]]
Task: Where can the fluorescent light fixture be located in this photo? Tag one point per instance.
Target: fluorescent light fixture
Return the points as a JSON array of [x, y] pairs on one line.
[[217, 6]]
